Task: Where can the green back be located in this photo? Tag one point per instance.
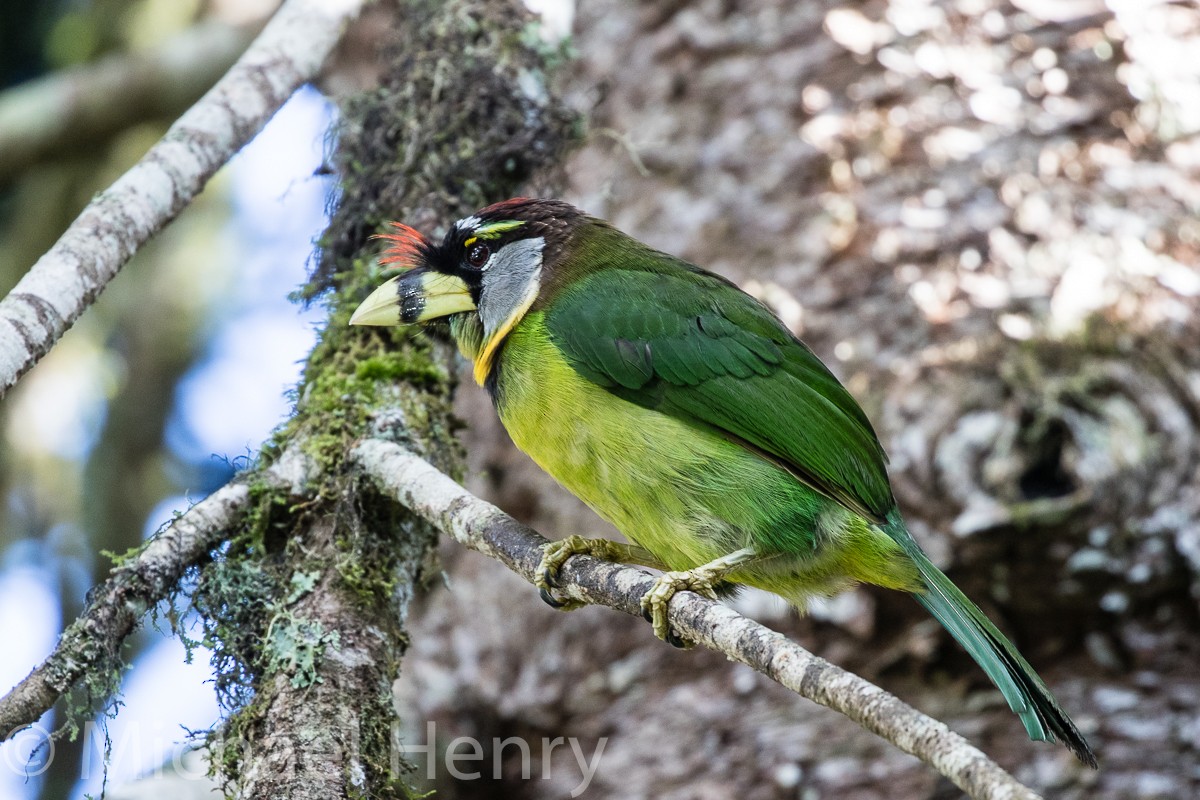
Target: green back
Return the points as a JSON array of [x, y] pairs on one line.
[[664, 334]]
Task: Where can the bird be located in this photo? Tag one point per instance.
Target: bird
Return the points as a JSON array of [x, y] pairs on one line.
[[684, 412]]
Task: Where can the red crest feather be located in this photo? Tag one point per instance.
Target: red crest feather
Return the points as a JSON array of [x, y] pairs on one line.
[[406, 248]]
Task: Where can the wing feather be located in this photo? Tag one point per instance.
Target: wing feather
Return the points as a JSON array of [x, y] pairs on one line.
[[693, 346]]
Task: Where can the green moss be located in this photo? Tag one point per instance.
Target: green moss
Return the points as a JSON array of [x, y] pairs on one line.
[[553, 55], [391, 367], [235, 600]]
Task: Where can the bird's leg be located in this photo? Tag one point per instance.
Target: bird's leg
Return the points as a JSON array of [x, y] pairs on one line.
[[555, 554], [700, 580]]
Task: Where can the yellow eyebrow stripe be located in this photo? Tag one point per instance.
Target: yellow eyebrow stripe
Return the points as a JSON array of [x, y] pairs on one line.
[[493, 230]]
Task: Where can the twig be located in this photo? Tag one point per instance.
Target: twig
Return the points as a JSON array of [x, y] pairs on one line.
[[79, 107], [65, 281], [483, 527], [116, 606]]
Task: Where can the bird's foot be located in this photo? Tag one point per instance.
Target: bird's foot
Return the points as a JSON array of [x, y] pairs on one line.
[[655, 602], [554, 555]]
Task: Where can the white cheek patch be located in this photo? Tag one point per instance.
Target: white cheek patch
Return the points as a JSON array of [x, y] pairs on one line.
[[511, 281]]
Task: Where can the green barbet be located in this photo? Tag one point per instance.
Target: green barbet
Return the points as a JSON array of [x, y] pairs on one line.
[[684, 412]]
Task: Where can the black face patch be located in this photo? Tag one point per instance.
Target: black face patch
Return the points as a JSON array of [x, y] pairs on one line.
[[451, 258]]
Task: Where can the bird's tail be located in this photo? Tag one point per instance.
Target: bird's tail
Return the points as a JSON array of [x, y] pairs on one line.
[[1025, 692]]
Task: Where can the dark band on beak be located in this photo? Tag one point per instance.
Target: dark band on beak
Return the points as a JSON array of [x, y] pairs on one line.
[[411, 301]]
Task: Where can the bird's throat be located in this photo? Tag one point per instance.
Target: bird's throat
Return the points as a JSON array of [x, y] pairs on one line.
[[490, 343]]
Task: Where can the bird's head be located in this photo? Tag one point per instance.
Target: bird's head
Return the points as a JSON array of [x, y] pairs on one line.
[[484, 275]]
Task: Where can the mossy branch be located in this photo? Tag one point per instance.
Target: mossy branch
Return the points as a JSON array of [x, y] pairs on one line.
[[89, 650], [307, 612], [481, 526]]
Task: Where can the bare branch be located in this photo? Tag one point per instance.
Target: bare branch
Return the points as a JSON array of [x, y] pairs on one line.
[[78, 107], [65, 281], [115, 607], [483, 527]]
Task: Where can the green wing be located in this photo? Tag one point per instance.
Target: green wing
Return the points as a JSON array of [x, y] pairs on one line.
[[692, 345]]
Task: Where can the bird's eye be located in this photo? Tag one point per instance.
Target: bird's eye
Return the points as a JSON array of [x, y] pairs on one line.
[[478, 254]]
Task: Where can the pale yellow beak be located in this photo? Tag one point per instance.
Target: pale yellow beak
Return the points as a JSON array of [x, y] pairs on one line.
[[417, 296]]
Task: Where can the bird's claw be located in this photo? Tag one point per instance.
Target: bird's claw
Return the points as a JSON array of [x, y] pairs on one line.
[[548, 576], [564, 604], [672, 638], [656, 601], [675, 640], [554, 555], [552, 601]]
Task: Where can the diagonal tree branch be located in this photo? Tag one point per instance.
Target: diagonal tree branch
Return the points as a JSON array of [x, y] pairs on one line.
[[68, 278], [115, 607], [481, 526]]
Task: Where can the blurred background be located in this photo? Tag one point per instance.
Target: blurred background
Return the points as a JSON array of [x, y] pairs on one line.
[[982, 214]]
